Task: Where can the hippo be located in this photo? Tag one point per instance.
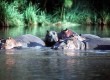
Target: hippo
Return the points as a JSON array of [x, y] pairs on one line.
[[90, 42], [23, 41], [96, 42], [78, 42], [66, 34], [52, 37], [72, 43]]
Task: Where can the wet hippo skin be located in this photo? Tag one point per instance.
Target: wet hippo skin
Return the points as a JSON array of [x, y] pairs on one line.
[[23, 41], [95, 42]]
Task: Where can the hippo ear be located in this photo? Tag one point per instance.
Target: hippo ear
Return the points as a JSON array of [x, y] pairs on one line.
[[66, 29], [47, 31]]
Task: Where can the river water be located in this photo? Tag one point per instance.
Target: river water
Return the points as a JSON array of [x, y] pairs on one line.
[[48, 64]]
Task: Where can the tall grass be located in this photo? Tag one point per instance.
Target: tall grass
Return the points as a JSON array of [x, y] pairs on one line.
[[33, 16], [77, 16], [20, 13], [73, 15], [30, 16], [11, 14], [106, 17], [41, 17], [2, 15]]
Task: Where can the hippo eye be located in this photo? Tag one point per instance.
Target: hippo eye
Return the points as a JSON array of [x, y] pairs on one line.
[[54, 33]]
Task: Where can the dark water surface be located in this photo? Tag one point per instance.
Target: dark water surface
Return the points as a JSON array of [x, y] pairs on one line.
[[48, 64]]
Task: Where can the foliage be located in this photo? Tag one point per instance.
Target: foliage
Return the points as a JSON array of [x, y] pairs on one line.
[[68, 3], [30, 16], [18, 13], [10, 14], [41, 17], [106, 17], [29, 13]]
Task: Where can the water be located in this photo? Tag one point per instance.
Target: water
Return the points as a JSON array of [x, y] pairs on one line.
[[102, 31], [48, 64]]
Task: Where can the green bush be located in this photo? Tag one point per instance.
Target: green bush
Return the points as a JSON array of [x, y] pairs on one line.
[[15, 13], [11, 14], [30, 16]]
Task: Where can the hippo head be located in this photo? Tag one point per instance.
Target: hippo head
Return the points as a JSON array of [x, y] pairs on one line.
[[9, 43], [51, 38], [66, 34], [73, 43]]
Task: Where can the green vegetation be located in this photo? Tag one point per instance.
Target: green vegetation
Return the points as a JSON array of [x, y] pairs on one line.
[[106, 17], [10, 15], [30, 16], [17, 13]]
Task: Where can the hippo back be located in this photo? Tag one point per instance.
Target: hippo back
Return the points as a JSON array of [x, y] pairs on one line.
[[96, 42], [29, 40], [89, 36]]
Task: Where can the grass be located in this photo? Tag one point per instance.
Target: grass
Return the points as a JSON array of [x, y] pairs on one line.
[[11, 14], [20, 13], [106, 17], [72, 15], [77, 16], [30, 16]]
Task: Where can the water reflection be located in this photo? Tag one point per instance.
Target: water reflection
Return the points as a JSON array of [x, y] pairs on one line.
[[102, 31], [72, 53], [10, 61]]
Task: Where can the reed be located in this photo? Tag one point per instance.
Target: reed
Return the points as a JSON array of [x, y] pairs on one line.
[[106, 17], [16, 13], [11, 15], [30, 16]]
